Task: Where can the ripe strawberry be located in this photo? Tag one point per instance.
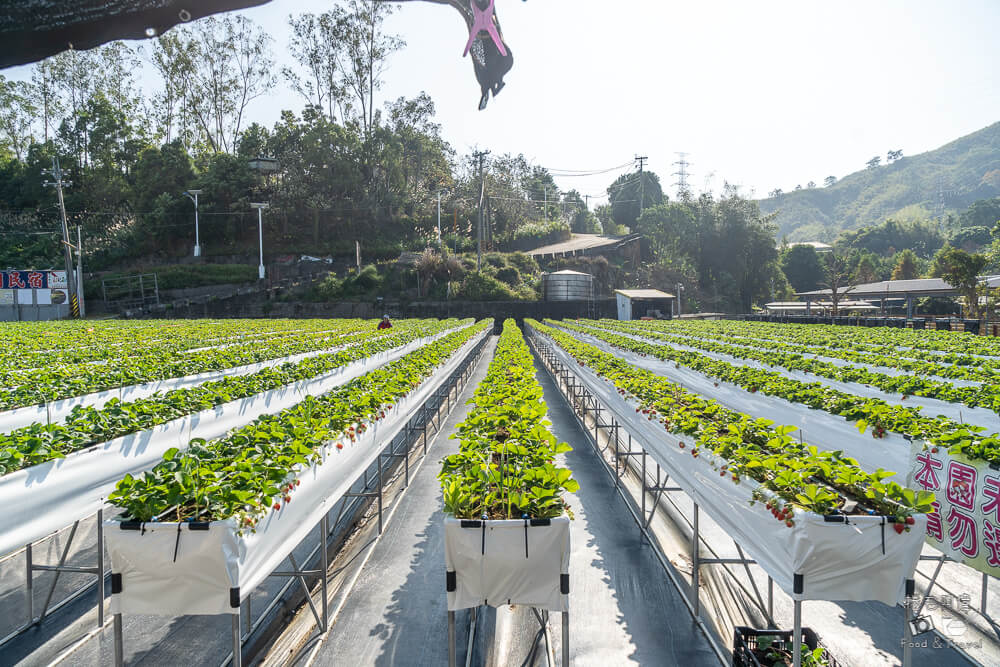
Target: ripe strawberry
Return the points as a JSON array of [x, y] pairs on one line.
[[934, 450], [910, 521], [277, 506], [898, 527], [722, 473], [681, 445], [340, 445], [789, 523]]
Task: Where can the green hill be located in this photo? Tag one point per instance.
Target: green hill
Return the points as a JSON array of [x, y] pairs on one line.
[[915, 187]]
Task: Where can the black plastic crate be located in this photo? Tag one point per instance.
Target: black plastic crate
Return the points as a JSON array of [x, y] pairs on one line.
[[745, 640]]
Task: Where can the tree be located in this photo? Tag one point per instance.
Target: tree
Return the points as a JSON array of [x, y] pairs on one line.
[[16, 115], [777, 192], [802, 267], [836, 276], [961, 270], [317, 44], [625, 193], [829, 180], [173, 56], [982, 213], [798, 187], [873, 163], [892, 156], [366, 53], [867, 269], [232, 67], [811, 184], [44, 96], [906, 266]]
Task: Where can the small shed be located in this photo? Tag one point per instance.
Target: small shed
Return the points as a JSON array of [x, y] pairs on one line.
[[568, 286], [634, 304]]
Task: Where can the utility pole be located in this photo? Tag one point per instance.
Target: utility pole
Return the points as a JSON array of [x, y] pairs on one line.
[[642, 185], [57, 175], [481, 157], [545, 197], [260, 234], [79, 271]]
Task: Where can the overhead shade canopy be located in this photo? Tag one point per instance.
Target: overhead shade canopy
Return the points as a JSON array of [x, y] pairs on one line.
[[32, 30]]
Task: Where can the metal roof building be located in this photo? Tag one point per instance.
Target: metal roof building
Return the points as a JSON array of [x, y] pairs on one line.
[[885, 290], [634, 304]]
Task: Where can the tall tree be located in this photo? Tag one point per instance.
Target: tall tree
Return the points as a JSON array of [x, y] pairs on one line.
[[317, 44], [961, 270], [631, 193], [873, 163], [233, 66], [174, 56], [17, 114], [366, 52], [44, 95], [829, 180], [906, 267], [802, 267], [836, 278]]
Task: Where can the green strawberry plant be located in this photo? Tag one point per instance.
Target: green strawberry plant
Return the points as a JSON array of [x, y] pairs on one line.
[[87, 426], [505, 468], [789, 473], [873, 414], [253, 470]]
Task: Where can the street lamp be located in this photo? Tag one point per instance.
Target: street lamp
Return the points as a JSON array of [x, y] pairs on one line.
[[193, 196], [680, 289], [260, 233]]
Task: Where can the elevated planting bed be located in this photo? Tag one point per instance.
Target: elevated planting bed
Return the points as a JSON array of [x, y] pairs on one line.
[[507, 537], [206, 526]]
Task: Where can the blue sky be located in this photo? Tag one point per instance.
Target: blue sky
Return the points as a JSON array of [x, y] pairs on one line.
[[761, 94]]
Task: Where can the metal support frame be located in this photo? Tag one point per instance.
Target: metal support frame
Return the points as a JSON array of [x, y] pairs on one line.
[[567, 379], [454, 382], [48, 608]]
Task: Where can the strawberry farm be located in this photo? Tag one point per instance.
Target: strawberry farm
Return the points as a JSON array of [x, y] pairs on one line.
[[276, 478]]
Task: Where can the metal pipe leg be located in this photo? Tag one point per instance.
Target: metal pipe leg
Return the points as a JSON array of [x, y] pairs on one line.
[[451, 639], [237, 642], [119, 643], [907, 630], [695, 583], [100, 568], [565, 638], [797, 638], [30, 592], [770, 599], [323, 532]]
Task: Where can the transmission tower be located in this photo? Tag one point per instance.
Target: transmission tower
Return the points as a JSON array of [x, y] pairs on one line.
[[682, 175]]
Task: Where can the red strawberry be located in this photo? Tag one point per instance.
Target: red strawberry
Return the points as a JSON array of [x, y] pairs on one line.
[[934, 450], [277, 506], [910, 521], [340, 445], [898, 527], [789, 523]]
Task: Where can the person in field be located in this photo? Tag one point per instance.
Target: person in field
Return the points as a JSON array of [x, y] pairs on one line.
[[385, 323]]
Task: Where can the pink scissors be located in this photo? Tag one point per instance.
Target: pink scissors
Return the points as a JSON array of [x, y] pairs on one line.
[[482, 20]]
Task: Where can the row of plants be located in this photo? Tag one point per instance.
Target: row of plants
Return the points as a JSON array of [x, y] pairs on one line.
[[505, 468], [87, 425], [33, 344], [984, 395], [826, 345], [874, 414], [253, 470], [887, 358], [840, 336], [791, 475], [56, 382]]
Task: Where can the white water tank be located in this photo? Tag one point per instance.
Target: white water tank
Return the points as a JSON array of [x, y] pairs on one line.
[[568, 286]]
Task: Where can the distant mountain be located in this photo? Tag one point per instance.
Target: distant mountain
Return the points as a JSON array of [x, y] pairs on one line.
[[913, 187]]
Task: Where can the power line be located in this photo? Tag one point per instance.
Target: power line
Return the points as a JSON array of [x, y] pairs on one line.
[[682, 175]]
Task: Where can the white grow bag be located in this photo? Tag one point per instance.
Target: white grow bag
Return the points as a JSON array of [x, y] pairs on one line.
[[54, 494], [215, 568], [816, 559], [520, 561]]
